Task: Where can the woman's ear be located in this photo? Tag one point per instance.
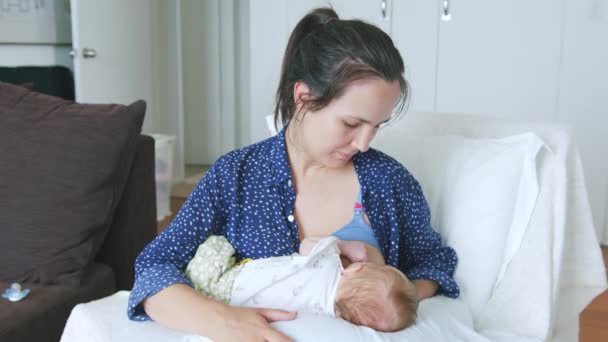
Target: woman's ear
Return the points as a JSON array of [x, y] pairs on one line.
[[301, 93]]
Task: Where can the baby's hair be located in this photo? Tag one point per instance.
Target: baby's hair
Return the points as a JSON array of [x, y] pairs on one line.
[[362, 304], [406, 306]]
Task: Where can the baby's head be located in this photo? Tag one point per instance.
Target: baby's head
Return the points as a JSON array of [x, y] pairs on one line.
[[377, 296]]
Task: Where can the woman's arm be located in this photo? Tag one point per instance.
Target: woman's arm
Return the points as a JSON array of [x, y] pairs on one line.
[[162, 291], [423, 258], [182, 308]]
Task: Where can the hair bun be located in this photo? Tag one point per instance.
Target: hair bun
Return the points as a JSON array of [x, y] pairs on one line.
[[323, 15]]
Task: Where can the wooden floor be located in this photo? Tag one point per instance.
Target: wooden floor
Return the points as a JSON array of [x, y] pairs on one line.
[[594, 320]]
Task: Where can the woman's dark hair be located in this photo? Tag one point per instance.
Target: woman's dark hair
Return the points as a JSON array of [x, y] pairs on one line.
[[327, 54]]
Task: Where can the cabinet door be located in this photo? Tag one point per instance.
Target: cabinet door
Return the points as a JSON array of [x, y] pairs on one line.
[[415, 25], [499, 57]]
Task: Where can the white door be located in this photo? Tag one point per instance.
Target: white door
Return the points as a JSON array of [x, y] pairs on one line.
[[111, 40], [499, 57]]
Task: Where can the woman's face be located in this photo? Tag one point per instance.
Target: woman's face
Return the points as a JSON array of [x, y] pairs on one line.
[[333, 135]]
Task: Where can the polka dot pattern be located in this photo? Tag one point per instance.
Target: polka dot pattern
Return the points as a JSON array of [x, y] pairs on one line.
[[247, 196]]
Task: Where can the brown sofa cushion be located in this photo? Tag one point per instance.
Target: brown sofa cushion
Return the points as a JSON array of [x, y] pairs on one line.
[[42, 315], [62, 172]]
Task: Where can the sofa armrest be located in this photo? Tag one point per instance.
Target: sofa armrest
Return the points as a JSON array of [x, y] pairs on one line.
[[134, 223]]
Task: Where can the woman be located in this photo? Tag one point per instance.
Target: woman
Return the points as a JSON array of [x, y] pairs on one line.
[[340, 81]]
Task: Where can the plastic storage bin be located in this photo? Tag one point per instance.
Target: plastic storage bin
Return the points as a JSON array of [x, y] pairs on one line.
[[163, 172]]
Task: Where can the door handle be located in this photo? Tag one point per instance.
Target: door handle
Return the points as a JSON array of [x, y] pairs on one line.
[[89, 53]]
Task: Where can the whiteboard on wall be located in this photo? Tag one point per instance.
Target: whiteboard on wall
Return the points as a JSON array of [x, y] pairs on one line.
[[35, 22]]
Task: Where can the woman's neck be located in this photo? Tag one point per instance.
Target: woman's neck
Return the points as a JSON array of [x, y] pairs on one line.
[[301, 162]]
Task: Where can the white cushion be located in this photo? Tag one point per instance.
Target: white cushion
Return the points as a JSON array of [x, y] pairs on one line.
[[439, 319], [481, 193]]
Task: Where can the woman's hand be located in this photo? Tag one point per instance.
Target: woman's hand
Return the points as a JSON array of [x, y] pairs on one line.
[[425, 288], [182, 308], [250, 324]]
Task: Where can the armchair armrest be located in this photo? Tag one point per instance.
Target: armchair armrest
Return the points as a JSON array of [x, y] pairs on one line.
[[134, 223]]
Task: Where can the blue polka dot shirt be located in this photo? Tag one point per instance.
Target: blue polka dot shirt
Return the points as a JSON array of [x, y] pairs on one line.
[[247, 196]]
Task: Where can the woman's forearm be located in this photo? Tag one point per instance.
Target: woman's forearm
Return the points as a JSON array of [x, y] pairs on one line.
[[425, 288], [182, 308]]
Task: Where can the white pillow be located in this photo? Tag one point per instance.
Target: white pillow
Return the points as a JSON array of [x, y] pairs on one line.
[[481, 193]]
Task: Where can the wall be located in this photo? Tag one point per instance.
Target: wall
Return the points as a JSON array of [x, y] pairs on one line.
[[242, 73], [167, 76], [29, 33], [267, 40], [582, 102], [20, 55]]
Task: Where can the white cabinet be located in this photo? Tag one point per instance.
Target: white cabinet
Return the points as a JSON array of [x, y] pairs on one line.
[[539, 60], [489, 58]]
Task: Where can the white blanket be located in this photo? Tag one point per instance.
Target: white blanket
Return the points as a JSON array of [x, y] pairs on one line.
[[440, 319]]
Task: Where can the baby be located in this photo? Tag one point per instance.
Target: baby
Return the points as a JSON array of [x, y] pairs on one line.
[[369, 294]]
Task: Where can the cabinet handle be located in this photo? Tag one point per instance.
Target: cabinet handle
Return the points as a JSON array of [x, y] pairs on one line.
[[383, 9], [89, 53], [446, 15]]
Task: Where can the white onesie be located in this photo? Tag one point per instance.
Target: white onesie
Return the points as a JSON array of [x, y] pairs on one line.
[[294, 282]]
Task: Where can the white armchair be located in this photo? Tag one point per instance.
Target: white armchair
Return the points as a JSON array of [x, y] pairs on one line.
[[509, 197]]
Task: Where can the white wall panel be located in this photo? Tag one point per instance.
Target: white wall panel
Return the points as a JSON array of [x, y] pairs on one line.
[[583, 100], [267, 39], [500, 57]]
